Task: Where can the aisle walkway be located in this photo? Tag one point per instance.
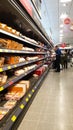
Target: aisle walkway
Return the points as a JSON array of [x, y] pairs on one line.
[[52, 108]]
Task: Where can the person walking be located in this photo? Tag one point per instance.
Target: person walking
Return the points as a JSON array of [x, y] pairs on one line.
[[58, 58], [65, 60]]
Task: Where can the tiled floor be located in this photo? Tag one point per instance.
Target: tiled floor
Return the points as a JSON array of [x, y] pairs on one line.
[[52, 108]]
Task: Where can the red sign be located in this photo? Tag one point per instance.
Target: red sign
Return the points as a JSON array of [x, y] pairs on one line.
[[67, 21], [27, 6], [63, 45]]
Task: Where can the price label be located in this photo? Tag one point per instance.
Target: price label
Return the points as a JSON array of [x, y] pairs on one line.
[[11, 82], [1, 88], [27, 99], [13, 118], [22, 106], [13, 51], [15, 66], [33, 90], [1, 69], [9, 67], [29, 95]]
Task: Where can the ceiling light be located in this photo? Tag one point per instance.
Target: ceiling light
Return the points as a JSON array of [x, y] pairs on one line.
[[61, 31], [64, 4], [65, 1], [61, 35], [63, 16], [61, 25]]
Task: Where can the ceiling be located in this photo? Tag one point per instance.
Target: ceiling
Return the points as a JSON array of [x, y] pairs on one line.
[[54, 10]]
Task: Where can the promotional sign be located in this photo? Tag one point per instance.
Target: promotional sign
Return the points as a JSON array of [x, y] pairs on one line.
[[67, 21], [27, 6], [63, 45]]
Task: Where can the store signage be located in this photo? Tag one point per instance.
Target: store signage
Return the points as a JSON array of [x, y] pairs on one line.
[[27, 6], [67, 21], [63, 45]]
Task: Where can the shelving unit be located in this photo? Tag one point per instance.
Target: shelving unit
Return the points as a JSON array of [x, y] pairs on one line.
[[9, 120]]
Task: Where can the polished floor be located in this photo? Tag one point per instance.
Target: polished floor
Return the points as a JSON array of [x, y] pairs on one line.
[[52, 108]]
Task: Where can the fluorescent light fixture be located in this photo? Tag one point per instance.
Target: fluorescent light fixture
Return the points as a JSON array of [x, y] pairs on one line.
[[64, 4], [65, 1], [61, 31], [63, 16], [61, 35], [61, 25]]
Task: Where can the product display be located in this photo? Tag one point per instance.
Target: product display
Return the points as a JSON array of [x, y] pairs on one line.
[[3, 78], [3, 112], [9, 29], [23, 54]]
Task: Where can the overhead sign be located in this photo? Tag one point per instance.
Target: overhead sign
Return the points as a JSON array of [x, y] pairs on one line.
[[67, 21], [27, 6], [63, 45]]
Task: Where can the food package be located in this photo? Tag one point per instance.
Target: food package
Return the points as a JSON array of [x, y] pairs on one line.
[[3, 79], [32, 58], [16, 92], [12, 60], [9, 29], [22, 59], [19, 72], [27, 49], [3, 26], [3, 112], [2, 59], [10, 104], [39, 71], [26, 82]]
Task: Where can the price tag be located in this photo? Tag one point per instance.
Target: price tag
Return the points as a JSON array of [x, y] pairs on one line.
[[27, 99], [1, 88], [9, 67], [11, 82], [29, 95], [13, 118], [1, 69], [15, 66], [22, 106], [13, 51], [33, 90]]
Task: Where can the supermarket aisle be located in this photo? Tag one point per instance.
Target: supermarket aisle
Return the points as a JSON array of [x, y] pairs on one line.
[[52, 108]]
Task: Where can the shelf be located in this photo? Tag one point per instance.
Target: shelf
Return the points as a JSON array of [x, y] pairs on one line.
[[21, 52], [19, 38], [8, 67], [24, 103], [17, 78]]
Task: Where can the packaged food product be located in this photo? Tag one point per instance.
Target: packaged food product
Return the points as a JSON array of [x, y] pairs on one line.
[[3, 112], [19, 72], [3, 78], [10, 104]]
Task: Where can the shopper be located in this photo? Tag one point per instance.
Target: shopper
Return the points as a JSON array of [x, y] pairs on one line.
[[65, 60], [58, 58]]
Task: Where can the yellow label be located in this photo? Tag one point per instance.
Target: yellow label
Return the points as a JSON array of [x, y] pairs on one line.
[[13, 118], [22, 106], [27, 99], [33, 90], [15, 66], [29, 95], [9, 67], [1, 88], [1, 69], [1, 50]]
